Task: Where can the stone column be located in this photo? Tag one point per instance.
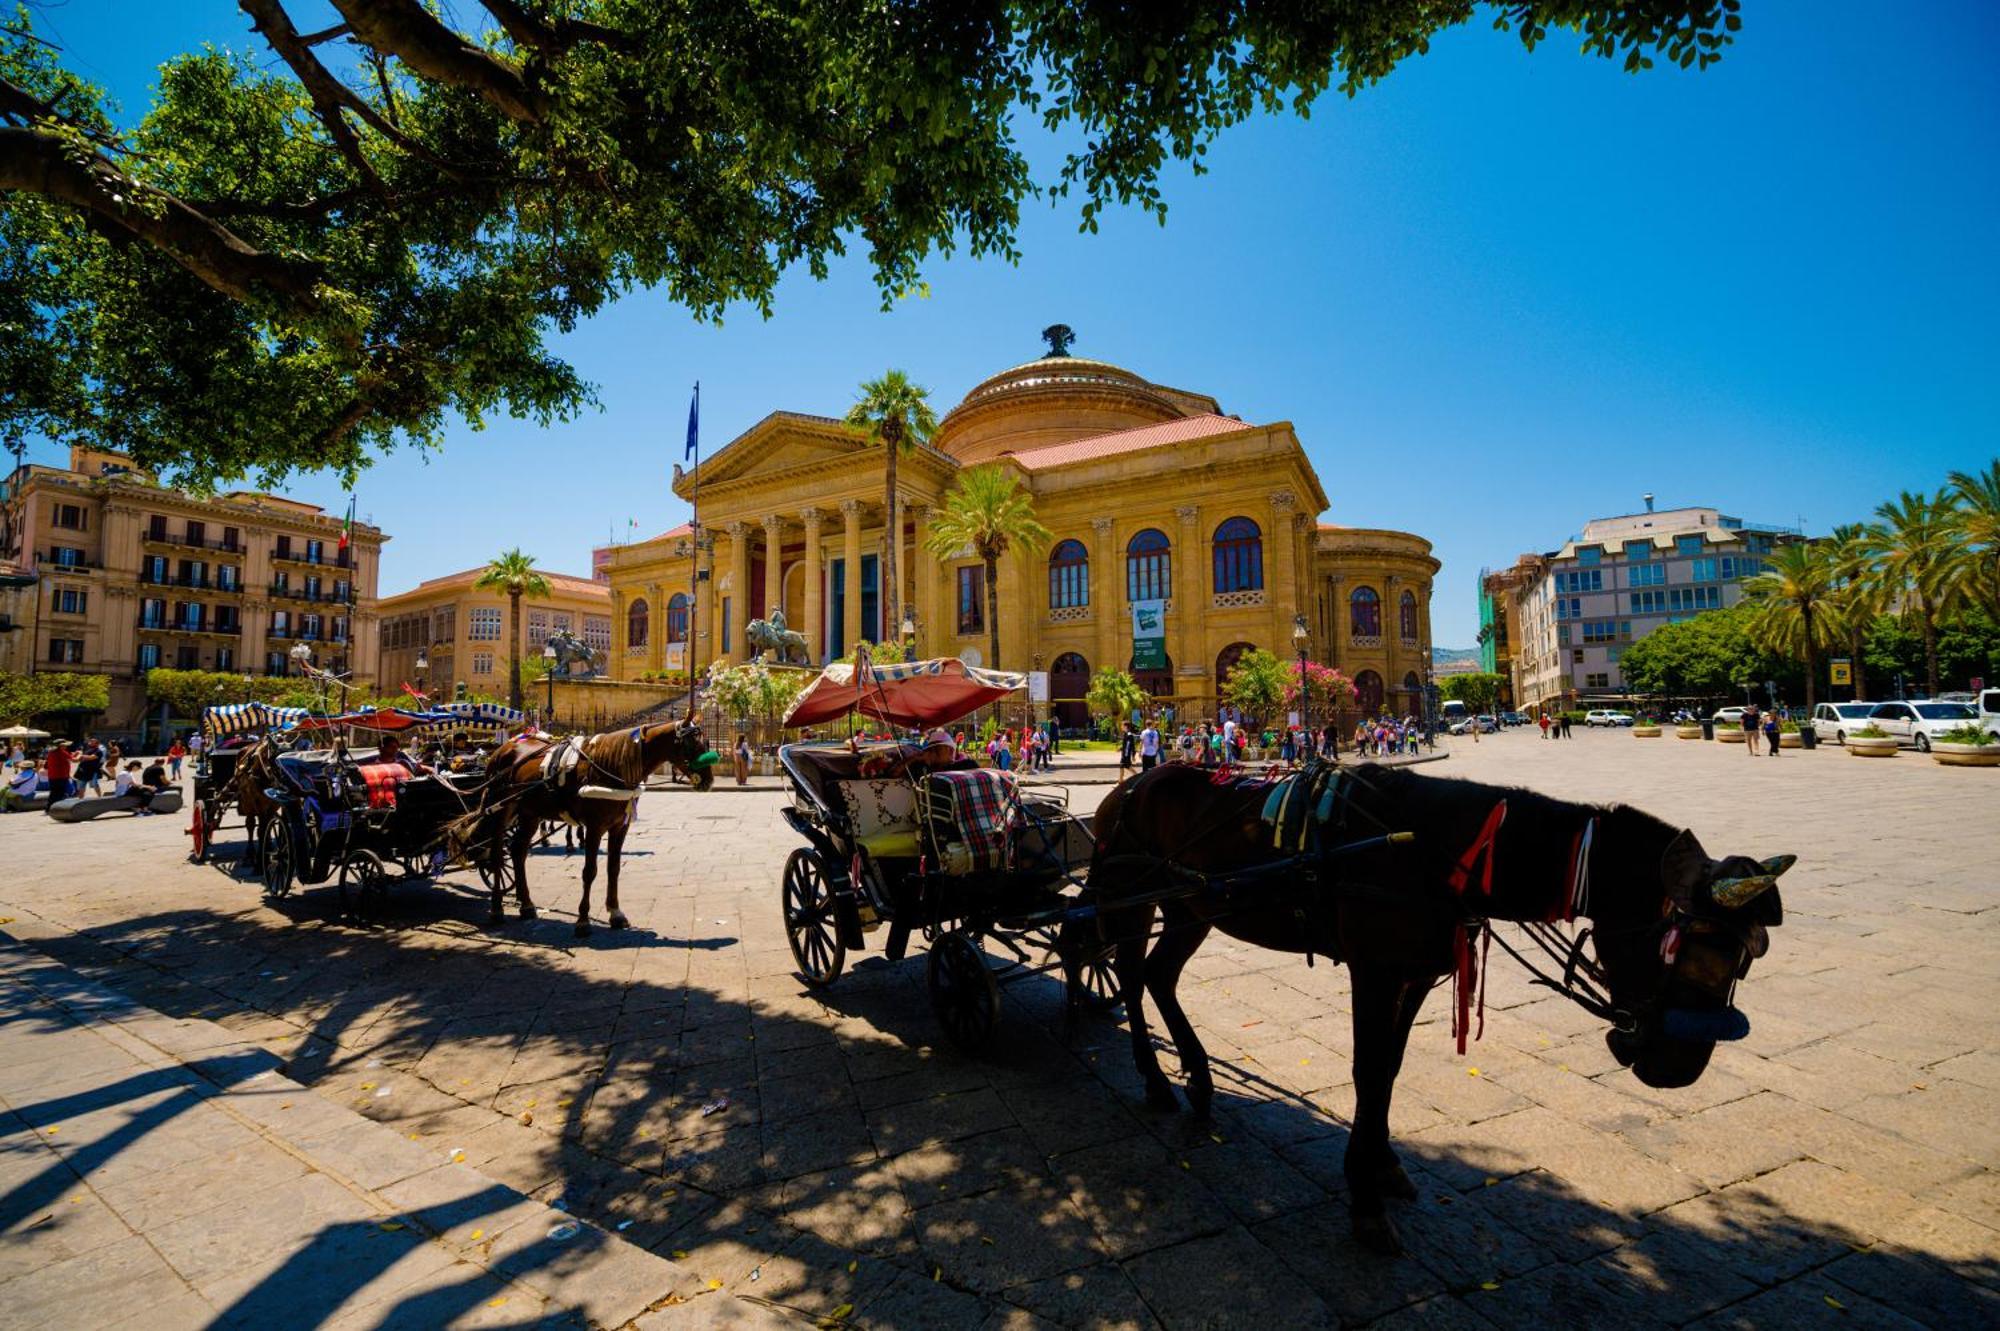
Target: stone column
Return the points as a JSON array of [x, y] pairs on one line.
[[774, 564], [1107, 606], [656, 626], [815, 606], [707, 638], [619, 668], [1189, 550], [1336, 610], [923, 583], [738, 592], [850, 620], [1282, 584], [1392, 634]]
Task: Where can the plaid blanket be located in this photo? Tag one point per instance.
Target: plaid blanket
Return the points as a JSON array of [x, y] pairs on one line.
[[382, 781], [988, 807]]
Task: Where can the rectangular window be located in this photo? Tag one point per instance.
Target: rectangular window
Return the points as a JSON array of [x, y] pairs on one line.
[[725, 615], [1600, 630], [971, 599], [156, 527], [281, 583], [1576, 656], [284, 547], [69, 556], [311, 588], [232, 539], [1757, 545], [1689, 545], [313, 547], [65, 651], [194, 615], [597, 632], [1614, 653], [338, 628], [1638, 550], [836, 626], [187, 657], [871, 597], [194, 572], [1581, 580], [482, 663], [70, 517], [225, 658], [1740, 566], [1599, 680], [149, 656], [228, 578], [483, 624], [70, 601], [444, 625], [152, 614], [226, 620], [309, 626], [1702, 570], [1589, 555], [1562, 635], [1649, 574], [1648, 603], [274, 663], [559, 620], [340, 587], [538, 628], [1569, 608], [281, 623], [1694, 598], [197, 532]]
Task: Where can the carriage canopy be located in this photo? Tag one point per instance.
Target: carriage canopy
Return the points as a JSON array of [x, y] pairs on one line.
[[240, 718], [908, 693]]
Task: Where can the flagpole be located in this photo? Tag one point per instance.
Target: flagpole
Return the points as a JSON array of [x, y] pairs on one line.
[[694, 528]]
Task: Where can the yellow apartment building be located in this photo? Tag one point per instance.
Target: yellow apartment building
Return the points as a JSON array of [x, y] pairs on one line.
[[446, 632]]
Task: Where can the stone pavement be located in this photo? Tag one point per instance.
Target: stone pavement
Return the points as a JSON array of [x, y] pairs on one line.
[[827, 1155]]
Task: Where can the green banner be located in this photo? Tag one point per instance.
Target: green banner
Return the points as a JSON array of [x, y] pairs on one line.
[[1149, 635]]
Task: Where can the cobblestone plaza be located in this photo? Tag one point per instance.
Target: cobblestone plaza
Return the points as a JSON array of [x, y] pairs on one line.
[[739, 1152]]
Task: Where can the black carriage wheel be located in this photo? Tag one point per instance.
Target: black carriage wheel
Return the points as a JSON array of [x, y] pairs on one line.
[[963, 992], [1097, 985], [275, 853], [370, 878], [496, 867], [810, 925]]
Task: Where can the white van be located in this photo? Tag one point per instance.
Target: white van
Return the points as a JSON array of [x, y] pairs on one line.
[[1988, 708]]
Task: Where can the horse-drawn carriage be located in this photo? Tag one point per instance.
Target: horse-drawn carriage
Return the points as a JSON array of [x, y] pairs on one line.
[[227, 732], [907, 836]]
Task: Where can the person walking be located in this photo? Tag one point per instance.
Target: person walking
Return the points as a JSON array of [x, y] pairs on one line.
[[1149, 746], [1752, 728], [89, 774], [176, 753], [741, 758], [1772, 731], [1543, 722]]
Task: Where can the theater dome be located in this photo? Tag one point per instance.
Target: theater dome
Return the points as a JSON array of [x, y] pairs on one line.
[[1053, 400]]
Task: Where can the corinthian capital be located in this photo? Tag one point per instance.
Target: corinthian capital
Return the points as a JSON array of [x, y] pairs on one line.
[[850, 509], [1189, 514], [1284, 501]]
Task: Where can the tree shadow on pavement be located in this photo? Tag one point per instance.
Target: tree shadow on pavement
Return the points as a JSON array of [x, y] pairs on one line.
[[828, 1154]]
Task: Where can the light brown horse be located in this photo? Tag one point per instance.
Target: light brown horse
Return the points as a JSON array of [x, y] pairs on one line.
[[521, 793], [256, 770]]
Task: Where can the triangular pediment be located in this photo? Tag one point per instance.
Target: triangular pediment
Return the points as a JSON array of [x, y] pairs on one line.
[[781, 442]]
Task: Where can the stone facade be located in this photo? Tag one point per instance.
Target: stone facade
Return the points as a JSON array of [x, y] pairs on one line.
[[132, 575], [1150, 492], [462, 631]]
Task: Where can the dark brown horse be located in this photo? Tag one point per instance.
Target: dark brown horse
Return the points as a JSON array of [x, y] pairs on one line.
[[1672, 929], [256, 772], [594, 789]]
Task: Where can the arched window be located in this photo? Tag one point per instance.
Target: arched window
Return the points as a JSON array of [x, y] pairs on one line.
[[1148, 566], [1364, 616], [1368, 693], [1069, 576], [1406, 616], [635, 624], [677, 618], [1225, 661], [1239, 556]]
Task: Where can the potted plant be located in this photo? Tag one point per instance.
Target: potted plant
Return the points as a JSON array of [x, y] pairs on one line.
[[1788, 735], [1729, 732], [1966, 746], [1647, 727], [1871, 741], [1687, 730]]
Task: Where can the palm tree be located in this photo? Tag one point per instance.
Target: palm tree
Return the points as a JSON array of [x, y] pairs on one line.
[[1920, 560], [514, 573], [1978, 495], [1793, 611], [896, 414], [1856, 595], [988, 511]]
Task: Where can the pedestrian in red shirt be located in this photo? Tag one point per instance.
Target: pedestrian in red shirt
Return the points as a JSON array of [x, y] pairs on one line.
[[58, 767]]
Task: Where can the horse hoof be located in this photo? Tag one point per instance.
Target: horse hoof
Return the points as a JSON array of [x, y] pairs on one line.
[[529, 913], [1393, 1182], [583, 928], [1378, 1235], [618, 920]]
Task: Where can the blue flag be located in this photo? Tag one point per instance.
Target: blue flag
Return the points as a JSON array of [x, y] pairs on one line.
[[694, 425]]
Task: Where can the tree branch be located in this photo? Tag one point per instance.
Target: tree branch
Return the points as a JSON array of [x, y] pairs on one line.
[[408, 31], [269, 20], [551, 36], [45, 164]]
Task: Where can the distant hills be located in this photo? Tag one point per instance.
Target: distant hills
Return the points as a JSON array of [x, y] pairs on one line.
[[1462, 658]]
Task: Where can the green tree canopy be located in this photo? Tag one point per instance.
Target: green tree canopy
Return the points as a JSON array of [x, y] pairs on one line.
[[1477, 689], [310, 249], [895, 415], [25, 697], [1114, 694], [987, 511], [1257, 684], [1712, 655]]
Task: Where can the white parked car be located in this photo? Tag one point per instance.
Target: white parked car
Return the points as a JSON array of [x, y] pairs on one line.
[[1486, 725], [1605, 717], [1731, 715], [1832, 720], [1918, 723]]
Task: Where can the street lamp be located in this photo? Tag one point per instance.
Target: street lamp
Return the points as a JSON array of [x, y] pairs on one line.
[[1301, 640], [909, 630], [423, 664], [549, 673]]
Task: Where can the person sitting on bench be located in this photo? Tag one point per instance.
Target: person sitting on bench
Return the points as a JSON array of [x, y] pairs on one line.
[[20, 791], [129, 782]]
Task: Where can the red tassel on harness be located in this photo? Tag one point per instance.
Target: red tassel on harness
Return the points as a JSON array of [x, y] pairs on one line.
[[1468, 974]]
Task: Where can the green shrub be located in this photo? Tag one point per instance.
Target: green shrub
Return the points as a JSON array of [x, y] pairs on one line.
[[1869, 731], [1969, 733]]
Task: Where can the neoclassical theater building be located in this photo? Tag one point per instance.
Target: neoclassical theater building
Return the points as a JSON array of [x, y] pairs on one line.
[[1151, 492]]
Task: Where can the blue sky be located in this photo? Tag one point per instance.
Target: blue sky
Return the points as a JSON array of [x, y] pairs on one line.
[[1497, 295]]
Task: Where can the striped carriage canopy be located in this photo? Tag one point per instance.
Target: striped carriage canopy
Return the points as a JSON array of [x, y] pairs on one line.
[[240, 718], [476, 714], [395, 719], [907, 693]]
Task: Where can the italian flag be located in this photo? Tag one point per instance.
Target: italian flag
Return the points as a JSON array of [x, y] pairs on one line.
[[347, 525]]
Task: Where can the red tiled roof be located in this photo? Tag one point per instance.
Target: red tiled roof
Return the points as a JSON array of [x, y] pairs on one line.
[[1182, 431]]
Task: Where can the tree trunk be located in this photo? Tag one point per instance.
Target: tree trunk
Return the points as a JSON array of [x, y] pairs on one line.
[[993, 611], [891, 628], [1856, 642], [1812, 660], [514, 650], [1930, 653]]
